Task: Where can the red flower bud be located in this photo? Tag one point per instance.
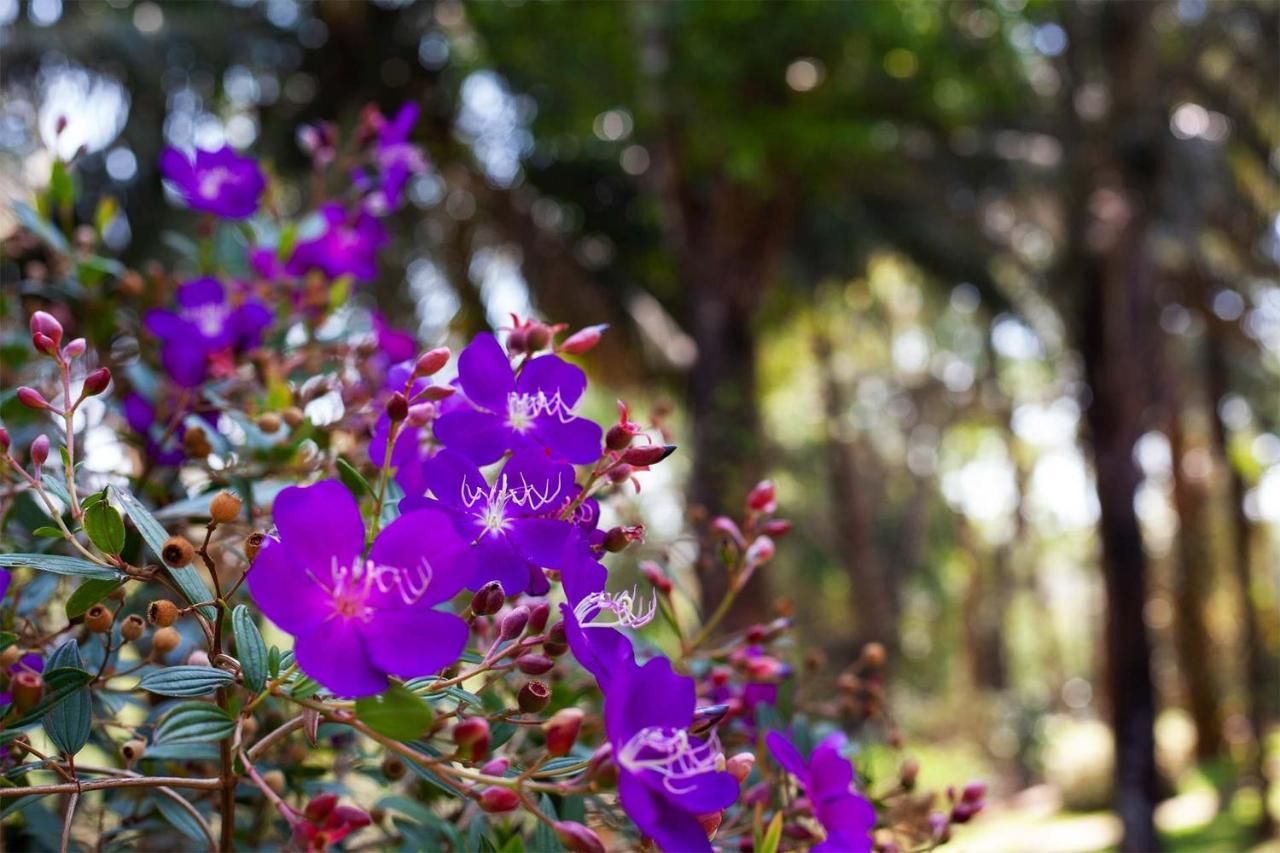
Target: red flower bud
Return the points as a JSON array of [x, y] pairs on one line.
[[582, 340], [430, 362], [974, 792], [618, 437], [534, 664], [495, 799], [761, 551], [397, 407], [44, 323], [562, 729], [32, 399], [43, 343], [577, 838], [26, 689], [75, 349], [653, 574], [40, 450], [513, 623], [5, 440], [776, 527], [618, 538], [762, 497], [710, 823], [472, 737], [320, 807], [647, 454], [538, 617], [488, 599], [97, 381]]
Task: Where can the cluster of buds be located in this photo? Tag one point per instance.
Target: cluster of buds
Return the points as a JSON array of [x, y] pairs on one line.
[[527, 337], [46, 338], [745, 548], [325, 822]]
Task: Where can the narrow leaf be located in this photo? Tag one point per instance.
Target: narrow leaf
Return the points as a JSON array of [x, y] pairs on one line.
[[59, 565], [89, 593], [185, 680], [194, 722], [68, 723], [154, 534], [252, 650]]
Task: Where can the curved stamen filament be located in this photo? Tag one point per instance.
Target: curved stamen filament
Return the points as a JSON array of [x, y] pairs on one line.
[[673, 755], [626, 609]]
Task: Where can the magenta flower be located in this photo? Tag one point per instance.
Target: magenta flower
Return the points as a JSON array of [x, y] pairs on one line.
[[827, 779], [507, 520], [397, 159], [204, 324], [666, 776], [348, 246], [537, 410], [220, 182], [358, 619]]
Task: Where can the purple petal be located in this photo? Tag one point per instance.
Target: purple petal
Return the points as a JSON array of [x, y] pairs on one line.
[[486, 373], [168, 325], [454, 480], [553, 377], [497, 561], [601, 651], [787, 756], [479, 436], [185, 360], [139, 412], [434, 561], [541, 541], [248, 323], [630, 707], [320, 525], [175, 167], [582, 574], [576, 440], [544, 484], [201, 291], [415, 642], [710, 792], [285, 593], [672, 829], [334, 654]]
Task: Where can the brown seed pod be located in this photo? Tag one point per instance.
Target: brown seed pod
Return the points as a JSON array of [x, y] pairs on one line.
[[98, 619], [269, 422], [166, 640], [293, 416], [393, 768], [177, 552], [132, 750], [162, 613], [133, 627], [224, 508], [253, 544]]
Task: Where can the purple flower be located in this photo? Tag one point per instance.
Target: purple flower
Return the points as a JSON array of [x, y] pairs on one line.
[[397, 160], [348, 246], [393, 344], [666, 776], [357, 619], [506, 520], [204, 324], [827, 779], [219, 182], [141, 416], [592, 616], [534, 410]]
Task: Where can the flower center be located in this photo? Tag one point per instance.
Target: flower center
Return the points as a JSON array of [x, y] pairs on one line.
[[351, 586], [209, 317], [212, 181], [489, 503], [523, 408], [672, 754]]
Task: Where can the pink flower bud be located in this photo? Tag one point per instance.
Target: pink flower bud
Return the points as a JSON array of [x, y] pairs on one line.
[[5, 440], [726, 526], [75, 349], [582, 340], [534, 664], [32, 399], [562, 729], [40, 450], [472, 737], [538, 616], [421, 414], [320, 807], [761, 551], [777, 527], [438, 392], [495, 767], [577, 838], [653, 574], [43, 343], [397, 407], [430, 362], [647, 454], [495, 799], [97, 381], [46, 324], [974, 792], [513, 623], [761, 498], [739, 766]]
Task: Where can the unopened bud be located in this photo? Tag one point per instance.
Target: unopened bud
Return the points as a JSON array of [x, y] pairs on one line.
[[165, 640], [496, 799], [320, 807], [538, 616], [533, 697], [75, 349], [44, 344], [162, 613], [974, 792], [873, 655], [26, 688], [495, 767], [618, 538], [539, 338], [5, 441], [96, 382], [438, 392], [133, 627], [44, 323], [562, 729], [40, 450], [760, 551], [397, 407], [488, 599], [534, 664], [776, 528], [620, 473], [132, 751], [577, 838], [198, 657], [710, 823], [224, 508], [420, 414], [762, 497], [513, 623], [647, 454], [98, 619], [653, 574], [582, 340], [32, 399], [739, 766], [618, 437], [430, 362], [269, 422], [472, 737], [177, 552]]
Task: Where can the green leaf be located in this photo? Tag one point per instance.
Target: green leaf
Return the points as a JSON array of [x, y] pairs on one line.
[[304, 688], [772, 835], [194, 722], [251, 649], [353, 479], [105, 527], [544, 838], [59, 565], [7, 639], [41, 227], [179, 817], [68, 723], [181, 751], [62, 189], [47, 532], [154, 534], [89, 593], [59, 684], [397, 713], [185, 680]]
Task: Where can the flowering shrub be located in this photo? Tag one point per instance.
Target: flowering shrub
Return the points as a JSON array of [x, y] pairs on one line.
[[328, 585]]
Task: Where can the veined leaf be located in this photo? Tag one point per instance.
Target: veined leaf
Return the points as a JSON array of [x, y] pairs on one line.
[[89, 593], [104, 527], [59, 565], [185, 680], [250, 648], [194, 722], [68, 723], [59, 684]]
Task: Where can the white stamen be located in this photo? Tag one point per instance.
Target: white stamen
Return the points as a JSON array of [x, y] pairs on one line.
[[523, 408], [673, 755], [626, 608], [208, 317], [351, 585], [489, 504]]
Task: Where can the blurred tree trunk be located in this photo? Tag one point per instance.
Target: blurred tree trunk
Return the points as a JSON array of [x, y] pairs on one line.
[[985, 604], [852, 516], [1258, 689], [1192, 578], [1112, 170]]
